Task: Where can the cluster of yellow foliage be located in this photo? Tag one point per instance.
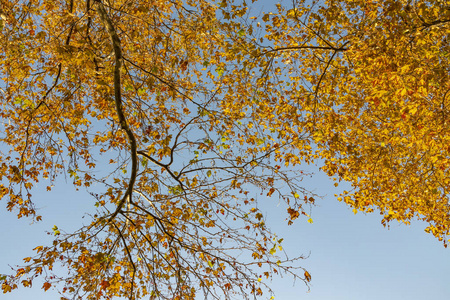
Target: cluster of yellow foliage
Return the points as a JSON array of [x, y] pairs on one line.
[[198, 104], [372, 79]]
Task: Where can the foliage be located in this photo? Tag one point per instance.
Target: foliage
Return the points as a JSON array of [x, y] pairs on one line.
[[372, 77], [197, 104], [142, 85]]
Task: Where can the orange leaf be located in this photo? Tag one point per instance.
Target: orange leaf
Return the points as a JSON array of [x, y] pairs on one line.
[[46, 286], [307, 276]]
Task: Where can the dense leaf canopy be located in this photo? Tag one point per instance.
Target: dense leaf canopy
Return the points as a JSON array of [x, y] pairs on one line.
[[173, 113], [376, 87]]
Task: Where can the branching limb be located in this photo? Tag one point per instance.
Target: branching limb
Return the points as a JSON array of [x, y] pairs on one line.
[[118, 102], [129, 258]]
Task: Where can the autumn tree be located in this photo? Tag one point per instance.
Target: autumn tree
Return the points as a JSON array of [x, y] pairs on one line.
[[371, 80], [144, 86], [194, 105]]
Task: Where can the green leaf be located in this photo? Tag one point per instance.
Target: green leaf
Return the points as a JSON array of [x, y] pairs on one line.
[[144, 162]]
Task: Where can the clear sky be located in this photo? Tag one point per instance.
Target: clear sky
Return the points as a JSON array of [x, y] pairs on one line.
[[351, 257]]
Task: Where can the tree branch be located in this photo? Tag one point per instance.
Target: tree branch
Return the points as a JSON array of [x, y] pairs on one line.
[[118, 102], [289, 48]]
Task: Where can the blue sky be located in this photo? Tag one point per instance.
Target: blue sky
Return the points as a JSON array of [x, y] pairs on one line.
[[351, 257]]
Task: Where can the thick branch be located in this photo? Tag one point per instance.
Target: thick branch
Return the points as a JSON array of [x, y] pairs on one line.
[[118, 101]]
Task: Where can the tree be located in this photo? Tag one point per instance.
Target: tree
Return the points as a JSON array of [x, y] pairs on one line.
[[142, 85], [371, 79], [194, 104]]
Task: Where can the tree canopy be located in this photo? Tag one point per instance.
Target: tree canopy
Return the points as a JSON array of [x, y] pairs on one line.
[[374, 78], [173, 113]]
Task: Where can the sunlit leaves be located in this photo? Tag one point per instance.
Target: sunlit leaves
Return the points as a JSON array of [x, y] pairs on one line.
[[136, 102], [372, 80], [179, 117]]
